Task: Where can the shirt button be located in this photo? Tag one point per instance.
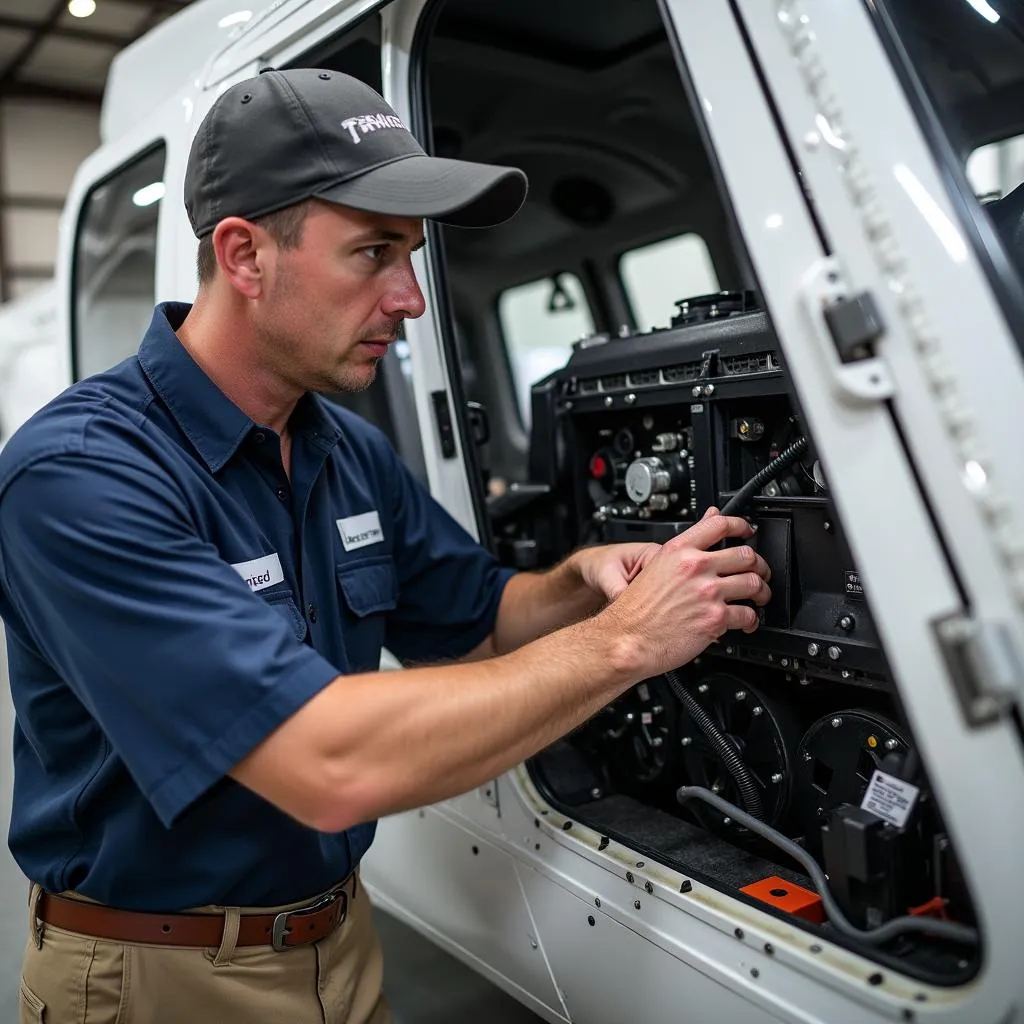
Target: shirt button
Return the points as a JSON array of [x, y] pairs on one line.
[[282, 493], [311, 612], [259, 437]]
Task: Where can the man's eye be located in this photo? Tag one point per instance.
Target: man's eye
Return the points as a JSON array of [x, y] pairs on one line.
[[375, 252]]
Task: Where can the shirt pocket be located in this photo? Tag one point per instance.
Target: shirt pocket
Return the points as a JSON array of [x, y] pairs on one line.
[[368, 590], [283, 602]]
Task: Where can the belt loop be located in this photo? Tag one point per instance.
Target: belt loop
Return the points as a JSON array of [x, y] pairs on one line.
[[35, 926], [228, 942]]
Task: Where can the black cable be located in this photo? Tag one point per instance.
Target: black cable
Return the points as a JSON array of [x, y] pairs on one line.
[[720, 745], [781, 461], [883, 933]]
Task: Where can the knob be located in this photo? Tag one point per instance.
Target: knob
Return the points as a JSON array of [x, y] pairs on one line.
[[645, 477]]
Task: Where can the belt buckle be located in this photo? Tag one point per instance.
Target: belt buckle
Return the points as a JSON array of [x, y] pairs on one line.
[[280, 927]]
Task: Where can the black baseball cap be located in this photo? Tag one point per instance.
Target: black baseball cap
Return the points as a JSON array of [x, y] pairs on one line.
[[287, 136]]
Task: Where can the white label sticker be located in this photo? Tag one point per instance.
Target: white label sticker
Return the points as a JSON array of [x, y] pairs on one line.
[[260, 573], [890, 798], [358, 531]]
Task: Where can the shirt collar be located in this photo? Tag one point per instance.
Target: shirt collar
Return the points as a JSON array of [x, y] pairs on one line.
[[210, 420]]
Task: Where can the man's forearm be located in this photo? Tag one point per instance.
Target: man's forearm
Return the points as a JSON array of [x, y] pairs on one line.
[[537, 603]]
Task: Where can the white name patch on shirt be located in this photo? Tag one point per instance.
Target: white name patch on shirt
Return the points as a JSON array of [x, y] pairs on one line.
[[358, 531], [260, 573]]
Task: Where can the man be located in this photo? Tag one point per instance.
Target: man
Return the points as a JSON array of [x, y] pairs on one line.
[[200, 560]]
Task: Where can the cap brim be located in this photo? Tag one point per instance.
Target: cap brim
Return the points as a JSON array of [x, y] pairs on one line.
[[453, 192]]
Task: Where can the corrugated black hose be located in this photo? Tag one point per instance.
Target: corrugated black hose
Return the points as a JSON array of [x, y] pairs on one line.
[[720, 745], [781, 461]]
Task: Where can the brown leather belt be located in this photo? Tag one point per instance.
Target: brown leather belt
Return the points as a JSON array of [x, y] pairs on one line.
[[281, 931]]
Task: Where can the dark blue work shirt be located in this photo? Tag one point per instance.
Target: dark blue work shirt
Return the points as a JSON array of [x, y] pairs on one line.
[[170, 598]]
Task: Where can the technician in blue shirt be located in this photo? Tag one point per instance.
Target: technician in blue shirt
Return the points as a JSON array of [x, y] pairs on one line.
[[200, 560]]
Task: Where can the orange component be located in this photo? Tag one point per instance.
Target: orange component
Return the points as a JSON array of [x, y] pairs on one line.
[[935, 907], [783, 895]]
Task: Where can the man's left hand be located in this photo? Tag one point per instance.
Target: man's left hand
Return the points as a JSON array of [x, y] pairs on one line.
[[608, 570]]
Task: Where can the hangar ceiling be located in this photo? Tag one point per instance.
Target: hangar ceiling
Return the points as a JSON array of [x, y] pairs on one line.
[[53, 66]]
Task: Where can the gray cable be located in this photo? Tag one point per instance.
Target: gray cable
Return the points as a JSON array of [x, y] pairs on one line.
[[883, 933]]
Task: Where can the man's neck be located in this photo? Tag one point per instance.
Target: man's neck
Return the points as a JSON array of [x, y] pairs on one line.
[[220, 340]]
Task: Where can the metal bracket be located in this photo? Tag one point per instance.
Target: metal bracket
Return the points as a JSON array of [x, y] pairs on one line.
[[489, 795], [983, 664], [845, 324]]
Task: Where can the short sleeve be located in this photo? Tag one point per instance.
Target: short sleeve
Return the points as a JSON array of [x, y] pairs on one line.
[[183, 667], [449, 586]]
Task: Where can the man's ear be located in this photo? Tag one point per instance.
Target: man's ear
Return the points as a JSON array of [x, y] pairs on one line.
[[240, 247]]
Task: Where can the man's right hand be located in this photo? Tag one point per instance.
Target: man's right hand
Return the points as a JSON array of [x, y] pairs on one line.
[[683, 599]]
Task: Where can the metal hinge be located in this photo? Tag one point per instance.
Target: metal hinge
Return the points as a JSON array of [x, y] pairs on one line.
[[847, 327], [983, 664]]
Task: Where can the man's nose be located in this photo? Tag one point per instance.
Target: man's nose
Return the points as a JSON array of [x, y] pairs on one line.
[[405, 299]]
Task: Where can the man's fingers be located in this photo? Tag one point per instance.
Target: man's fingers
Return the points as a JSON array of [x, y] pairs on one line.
[[711, 513], [741, 616], [712, 530], [746, 586], [740, 559]]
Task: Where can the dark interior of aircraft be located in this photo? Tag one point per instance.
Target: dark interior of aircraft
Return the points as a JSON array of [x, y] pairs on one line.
[[648, 418]]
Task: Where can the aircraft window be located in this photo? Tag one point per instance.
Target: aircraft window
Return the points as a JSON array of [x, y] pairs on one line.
[[115, 265], [656, 275], [996, 168], [540, 321], [963, 67]]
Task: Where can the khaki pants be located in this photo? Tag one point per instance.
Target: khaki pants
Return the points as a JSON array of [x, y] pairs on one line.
[[76, 979]]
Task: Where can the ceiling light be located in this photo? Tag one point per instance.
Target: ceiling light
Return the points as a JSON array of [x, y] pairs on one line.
[[985, 10], [238, 18], [81, 8], [149, 194]]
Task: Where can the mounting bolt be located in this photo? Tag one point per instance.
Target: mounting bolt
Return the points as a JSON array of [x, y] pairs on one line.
[[846, 623], [846, 673], [777, 777], [703, 688], [757, 711], [709, 390], [609, 401], [650, 888], [728, 650], [891, 744], [656, 741], [597, 901], [727, 821], [629, 877], [657, 709], [533, 943], [784, 662], [697, 391], [716, 786], [596, 793], [741, 694], [835, 653], [827, 525], [807, 756], [630, 398], [636, 904], [836, 722], [813, 650], [686, 741]]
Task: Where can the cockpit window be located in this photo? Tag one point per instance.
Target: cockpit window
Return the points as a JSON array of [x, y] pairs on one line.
[[656, 276], [540, 321]]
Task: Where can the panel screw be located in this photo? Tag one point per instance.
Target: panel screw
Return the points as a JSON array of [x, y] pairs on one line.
[[777, 777], [754, 972], [596, 793], [846, 622], [757, 711], [784, 662], [769, 949], [609, 401], [636, 904], [835, 653], [727, 821], [687, 886], [686, 741], [846, 673], [807, 756], [630, 398], [597, 901], [813, 650], [836, 722], [728, 650], [703, 688], [590, 920], [738, 933], [815, 948], [741, 694], [639, 863], [709, 390], [629, 877], [827, 525], [533, 943], [697, 391], [891, 744]]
